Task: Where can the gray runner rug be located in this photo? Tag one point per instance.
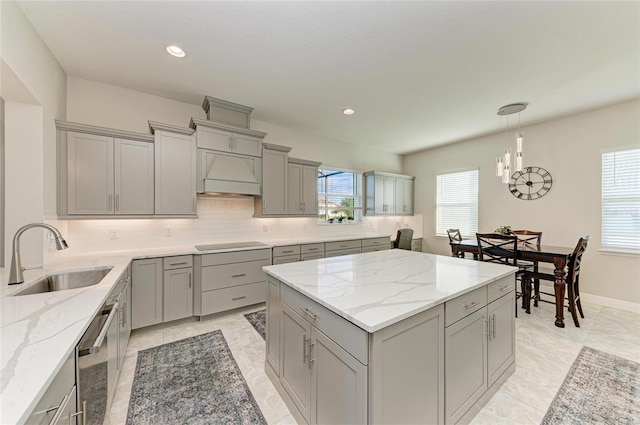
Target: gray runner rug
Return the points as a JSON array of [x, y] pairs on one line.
[[191, 381], [600, 388], [257, 320]]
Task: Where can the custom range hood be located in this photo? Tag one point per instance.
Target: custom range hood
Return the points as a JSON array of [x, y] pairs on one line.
[[229, 152]]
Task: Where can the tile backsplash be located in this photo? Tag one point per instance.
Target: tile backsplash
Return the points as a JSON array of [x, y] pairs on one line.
[[219, 220]]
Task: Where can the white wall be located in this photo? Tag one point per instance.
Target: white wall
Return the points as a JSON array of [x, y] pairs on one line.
[[24, 171], [570, 149], [30, 74]]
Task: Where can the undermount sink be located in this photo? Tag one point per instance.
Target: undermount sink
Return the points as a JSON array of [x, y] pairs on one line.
[[66, 280]]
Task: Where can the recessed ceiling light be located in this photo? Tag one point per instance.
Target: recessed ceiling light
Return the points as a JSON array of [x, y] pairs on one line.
[[176, 51], [348, 111]]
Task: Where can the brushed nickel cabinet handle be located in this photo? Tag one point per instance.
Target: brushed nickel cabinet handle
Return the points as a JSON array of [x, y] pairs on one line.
[[471, 305], [110, 202], [239, 275], [287, 252], [238, 298], [189, 280], [179, 264], [117, 203], [84, 417], [504, 288], [313, 249], [309, 313], [304, 348]]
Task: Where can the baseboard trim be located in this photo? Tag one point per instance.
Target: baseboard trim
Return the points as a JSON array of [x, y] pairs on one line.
[[603, 301]]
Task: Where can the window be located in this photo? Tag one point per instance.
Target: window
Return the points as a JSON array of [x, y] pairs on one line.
[[621, 199], [457, 202], [339, 196]]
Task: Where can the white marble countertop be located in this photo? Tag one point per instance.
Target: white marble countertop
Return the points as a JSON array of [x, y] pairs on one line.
[[378, 289], [39, 331]]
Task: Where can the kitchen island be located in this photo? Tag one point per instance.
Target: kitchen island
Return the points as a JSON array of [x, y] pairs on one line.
[[389, 337]]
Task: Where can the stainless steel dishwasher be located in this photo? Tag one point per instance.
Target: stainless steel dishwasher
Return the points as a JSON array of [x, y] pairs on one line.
[[93, 355]]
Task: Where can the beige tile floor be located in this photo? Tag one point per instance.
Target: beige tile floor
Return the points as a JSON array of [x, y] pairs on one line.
[[544, 355]]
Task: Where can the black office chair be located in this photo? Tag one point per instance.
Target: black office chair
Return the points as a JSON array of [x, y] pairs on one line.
[[403, 239]]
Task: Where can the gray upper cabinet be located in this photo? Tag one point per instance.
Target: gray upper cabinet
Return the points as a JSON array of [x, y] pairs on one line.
[[103, 175], [388, 194], [227, 138], [302, 185], [275, 161], [404, 196], [175, 173]]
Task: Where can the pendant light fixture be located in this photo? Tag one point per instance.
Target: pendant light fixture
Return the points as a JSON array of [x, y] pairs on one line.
[[503, 162]]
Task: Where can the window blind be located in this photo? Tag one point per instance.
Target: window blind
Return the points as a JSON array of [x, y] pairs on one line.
[[621, 199], [339, 195], [457, 202]]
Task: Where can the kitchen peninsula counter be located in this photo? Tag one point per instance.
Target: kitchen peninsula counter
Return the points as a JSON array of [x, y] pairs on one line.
[[372, 338]]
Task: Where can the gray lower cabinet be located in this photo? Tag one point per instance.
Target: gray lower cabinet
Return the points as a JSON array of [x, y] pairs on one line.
[[376, 244], [178, 288], [228, 280], [147, 292], [58, 405], [338, 248], [479, 345], [330, 371], [325, 382], [118, 332]]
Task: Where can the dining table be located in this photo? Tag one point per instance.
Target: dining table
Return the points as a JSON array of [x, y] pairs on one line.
[[559, 256]]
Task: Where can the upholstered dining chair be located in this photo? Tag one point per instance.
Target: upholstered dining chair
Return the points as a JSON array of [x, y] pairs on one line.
[[503, 249], [572, 281], [531, 240], [403, 239]]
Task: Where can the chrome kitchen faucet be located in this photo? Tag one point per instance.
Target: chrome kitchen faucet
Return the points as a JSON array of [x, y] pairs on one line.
[[15, 274]]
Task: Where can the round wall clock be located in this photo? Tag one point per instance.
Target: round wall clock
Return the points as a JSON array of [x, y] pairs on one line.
[[530, 183]]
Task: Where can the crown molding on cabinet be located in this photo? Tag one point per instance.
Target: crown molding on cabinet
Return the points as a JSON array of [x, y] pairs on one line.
[[238, 130], [102, 131], [273, 147], [154, 125], [212, 101], [305, 162]]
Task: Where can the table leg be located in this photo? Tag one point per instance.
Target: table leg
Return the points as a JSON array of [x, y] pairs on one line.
[[558, 286]]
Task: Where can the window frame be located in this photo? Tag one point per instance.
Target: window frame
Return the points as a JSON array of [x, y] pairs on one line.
[[359, 185], [608, 198], [474, 204]]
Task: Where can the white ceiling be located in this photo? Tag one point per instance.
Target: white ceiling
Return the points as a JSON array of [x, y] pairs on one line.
[[418, 74]]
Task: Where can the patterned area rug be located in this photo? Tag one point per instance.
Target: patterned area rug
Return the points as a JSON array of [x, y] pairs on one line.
[[257, 320], [195, 381], [599, 389]]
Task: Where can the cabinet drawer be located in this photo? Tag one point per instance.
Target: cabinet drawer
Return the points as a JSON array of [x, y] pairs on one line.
[[312, 248], [305, 257], [227, 275], [178, 262], [464, 305], [286, 259], [350, 337], [333, 246], [236, 257], [383, 241], [374, 248], [281, 251], [500, 287], [55, 394], [234, 297]]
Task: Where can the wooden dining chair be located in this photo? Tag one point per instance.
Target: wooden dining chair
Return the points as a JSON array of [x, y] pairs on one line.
[[503, 249], [454, 237], [572, 281], [530, 240]]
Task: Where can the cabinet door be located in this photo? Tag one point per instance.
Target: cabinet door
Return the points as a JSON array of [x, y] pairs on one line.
[[175, 174], [66, 409], [404, 196], [247, 145], [89, 174], [388, 195], [309, 190], [146, 292], [273, 324], [211, 138], [502, 345], [125, 321], [465, 364], [295, 372], [338, 384], [113, 353], [178, 294], [274, 182], [294, 188], [134, 176]]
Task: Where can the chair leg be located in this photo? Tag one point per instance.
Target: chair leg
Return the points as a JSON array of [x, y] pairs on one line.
[[572, 305], [527, 295], [577, 293], [536, 298]]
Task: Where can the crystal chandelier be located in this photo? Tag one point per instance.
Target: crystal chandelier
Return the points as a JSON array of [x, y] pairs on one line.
[[503, 162]]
